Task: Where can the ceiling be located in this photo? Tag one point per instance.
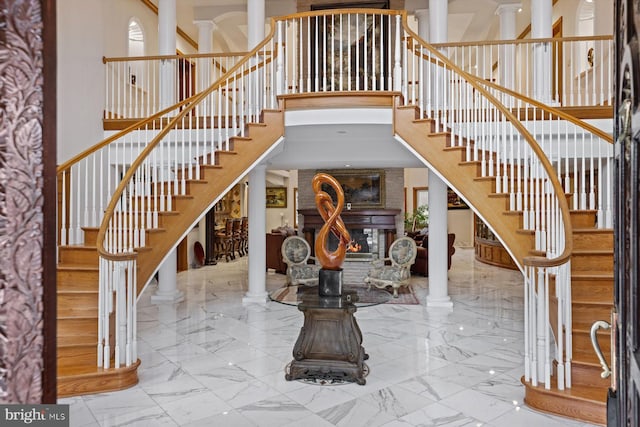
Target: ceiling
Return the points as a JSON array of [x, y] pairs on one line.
[[357, 145]]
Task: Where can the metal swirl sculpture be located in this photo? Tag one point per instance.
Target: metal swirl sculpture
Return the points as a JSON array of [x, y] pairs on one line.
[[332, 223]]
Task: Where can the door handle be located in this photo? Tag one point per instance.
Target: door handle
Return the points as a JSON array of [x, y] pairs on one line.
[[600, 324]]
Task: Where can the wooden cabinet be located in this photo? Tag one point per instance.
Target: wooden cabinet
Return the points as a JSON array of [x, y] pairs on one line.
[[488, 248]]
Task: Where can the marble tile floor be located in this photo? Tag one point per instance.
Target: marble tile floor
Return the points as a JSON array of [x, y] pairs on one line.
[[212, 361]]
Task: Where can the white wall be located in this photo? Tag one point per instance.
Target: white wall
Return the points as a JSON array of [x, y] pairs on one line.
[[80, 75], [87, 30], [459, 221], [275, 217]]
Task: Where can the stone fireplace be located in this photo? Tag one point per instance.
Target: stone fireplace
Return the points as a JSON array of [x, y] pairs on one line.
[[373, 229], [378, 227]]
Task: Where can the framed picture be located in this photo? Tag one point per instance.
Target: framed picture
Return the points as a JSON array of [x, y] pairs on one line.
[[276, 197], [363, 188], [454, 201]]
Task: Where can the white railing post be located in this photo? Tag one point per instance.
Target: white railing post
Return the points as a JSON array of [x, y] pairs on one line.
[[397, 68], [280, 61]]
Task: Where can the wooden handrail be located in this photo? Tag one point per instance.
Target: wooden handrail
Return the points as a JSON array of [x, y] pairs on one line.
[[552, 110], [160, 57], [521, 41], [137, 125], [535, 261], [117, 194], [338, 12]]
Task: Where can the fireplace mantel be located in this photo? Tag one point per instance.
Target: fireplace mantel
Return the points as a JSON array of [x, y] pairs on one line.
[[384, 219], [355, 218]]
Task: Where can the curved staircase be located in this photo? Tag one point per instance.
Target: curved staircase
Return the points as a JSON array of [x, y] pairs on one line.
[[591, 266], [78, 265]]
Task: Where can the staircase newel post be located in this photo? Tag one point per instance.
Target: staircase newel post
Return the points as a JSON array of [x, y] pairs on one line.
[[397, 68], [527, 323], [542, 325], [102, 279]]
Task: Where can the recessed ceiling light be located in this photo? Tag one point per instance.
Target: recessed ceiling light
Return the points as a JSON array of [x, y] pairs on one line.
[[342, 132], [347, 166]]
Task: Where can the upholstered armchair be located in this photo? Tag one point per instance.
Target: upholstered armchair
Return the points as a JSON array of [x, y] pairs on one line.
[[402, 253], [421, 266], [295, 253]]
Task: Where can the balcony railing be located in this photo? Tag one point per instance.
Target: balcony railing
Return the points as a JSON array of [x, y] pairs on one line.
[[568, 72], [133, 88]]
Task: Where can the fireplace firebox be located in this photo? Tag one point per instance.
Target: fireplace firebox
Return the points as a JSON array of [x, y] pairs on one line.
[[364, 225]]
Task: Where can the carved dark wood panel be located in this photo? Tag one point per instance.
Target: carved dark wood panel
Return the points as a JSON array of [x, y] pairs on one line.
[[624, 402], [21, 201]]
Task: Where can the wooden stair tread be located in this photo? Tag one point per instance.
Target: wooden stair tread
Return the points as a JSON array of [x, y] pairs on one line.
[[592, 274], [80, 246], [580, 402], [592, 230], [87, 380], [94, 318], [593, 251], [80, 267], [77, 291], [78, 370], [581, 329], [587, 364], [77, 341], [596, 395], [90, 370], [595, 304]]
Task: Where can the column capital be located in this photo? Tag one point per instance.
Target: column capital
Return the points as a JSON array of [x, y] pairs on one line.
[[421, 14], [508, 8], [205, 24]]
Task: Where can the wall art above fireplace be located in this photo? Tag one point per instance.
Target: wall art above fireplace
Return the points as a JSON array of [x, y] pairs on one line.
[[363, 188]]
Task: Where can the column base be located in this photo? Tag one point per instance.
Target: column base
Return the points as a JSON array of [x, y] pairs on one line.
[[171, 297], [261, 298], [439, 302]]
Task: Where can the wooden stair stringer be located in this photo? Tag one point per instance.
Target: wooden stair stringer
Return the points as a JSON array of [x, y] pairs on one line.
[[586, 399], [82, 274], [479, 193], [247, 151]]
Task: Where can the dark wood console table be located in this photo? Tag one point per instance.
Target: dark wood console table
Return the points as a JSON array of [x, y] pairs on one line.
[[383, 219], [329, 346]]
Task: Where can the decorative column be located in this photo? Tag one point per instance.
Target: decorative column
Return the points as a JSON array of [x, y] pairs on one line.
[[438, 260], [506, 55], [168, 273], [205, 45], [438, 21], [541, 22], [167, 46], [167, 281], [255, 23], [255, 34], [257, 241]]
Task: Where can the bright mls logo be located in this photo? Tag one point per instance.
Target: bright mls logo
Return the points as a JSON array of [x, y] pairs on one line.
[[34, 415]]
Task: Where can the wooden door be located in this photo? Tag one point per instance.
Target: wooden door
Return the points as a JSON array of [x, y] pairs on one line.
[[186, 78], [624, 400]]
